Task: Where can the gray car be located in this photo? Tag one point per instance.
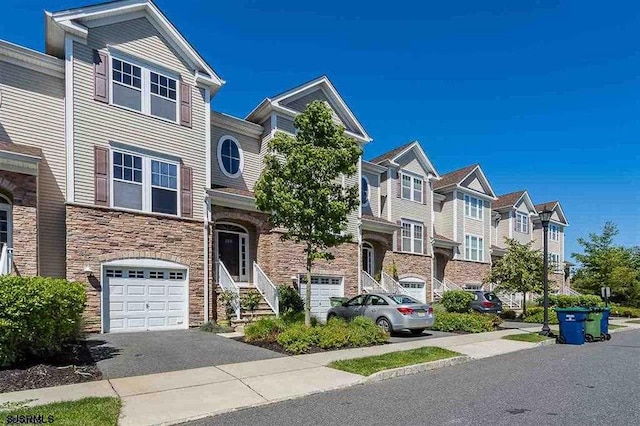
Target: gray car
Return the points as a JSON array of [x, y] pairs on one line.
[[392, 312], [486, 302]]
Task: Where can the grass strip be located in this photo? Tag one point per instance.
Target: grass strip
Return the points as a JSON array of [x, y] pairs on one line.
[[372, 364], [526, 337], [86, 412]]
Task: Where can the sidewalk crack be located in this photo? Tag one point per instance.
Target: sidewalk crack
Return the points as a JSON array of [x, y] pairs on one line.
[[114, 389]]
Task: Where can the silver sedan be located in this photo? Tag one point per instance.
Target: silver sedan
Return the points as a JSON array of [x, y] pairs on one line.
[[392, 312]]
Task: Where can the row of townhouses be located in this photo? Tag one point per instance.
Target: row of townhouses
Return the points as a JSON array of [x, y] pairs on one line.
[[116, 172]]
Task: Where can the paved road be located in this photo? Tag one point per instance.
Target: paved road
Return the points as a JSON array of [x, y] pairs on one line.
[[595, 384], [135, 354]]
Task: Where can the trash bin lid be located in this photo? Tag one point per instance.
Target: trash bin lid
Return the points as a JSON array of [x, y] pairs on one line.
[[573, 309]]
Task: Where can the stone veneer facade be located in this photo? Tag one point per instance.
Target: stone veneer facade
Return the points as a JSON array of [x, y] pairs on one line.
[[463, 272], [96, 235], [410, 265], [22, 190]]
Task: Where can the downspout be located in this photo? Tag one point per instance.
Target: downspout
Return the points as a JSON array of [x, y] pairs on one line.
[[207, 210]]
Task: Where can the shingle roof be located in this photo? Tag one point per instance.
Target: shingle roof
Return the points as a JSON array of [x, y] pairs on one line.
[[442, 238], [20, 149], [377, 219], [548, 205], [454, 177], [508, 200], [236, 191], [390, 154]]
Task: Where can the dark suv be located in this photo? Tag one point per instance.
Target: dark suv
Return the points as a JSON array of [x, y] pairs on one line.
[[486, 302]]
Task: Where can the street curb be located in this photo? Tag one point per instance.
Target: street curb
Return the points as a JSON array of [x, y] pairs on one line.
[[415, 368], [547, 342]]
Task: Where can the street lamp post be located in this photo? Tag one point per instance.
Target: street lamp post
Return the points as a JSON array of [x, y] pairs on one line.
[[545, 217]]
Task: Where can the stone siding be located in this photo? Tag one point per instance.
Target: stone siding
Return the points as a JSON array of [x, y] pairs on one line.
[[463, 272], [410, 265], [96, 235]]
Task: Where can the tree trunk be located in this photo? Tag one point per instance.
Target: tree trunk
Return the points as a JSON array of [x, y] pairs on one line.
[[307, 296], [524, 304]]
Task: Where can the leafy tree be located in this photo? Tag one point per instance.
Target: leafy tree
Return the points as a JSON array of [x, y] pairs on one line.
[[301, 186], [603, 264], [519, 271]]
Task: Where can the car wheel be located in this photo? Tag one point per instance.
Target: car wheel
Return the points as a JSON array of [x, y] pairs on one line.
[[417, 331], [384, 324]]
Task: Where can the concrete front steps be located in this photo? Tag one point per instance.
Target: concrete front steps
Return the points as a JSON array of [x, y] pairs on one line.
[[264, 310]]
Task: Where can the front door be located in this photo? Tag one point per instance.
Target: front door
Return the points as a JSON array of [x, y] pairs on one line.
[[367, 259], [233, 253]]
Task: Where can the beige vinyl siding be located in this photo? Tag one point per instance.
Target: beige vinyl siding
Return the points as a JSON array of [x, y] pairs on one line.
[[267, 127], [459, 221], [32, 113], [384, 200], [352, 218], [411, 210], [520, 236], [444, 217], [487, 230], [503, 229], [285, 124], [554, 246], [372, 207], [252, 160], [300, 104], [96, 123]]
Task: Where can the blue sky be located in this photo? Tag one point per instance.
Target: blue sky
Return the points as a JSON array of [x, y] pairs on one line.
[[544, 94]]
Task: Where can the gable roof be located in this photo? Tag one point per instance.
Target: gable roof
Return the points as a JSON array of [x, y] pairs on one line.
[[398, 152], [508, 200], [321, 83], [77, 22], [455, 178], [553, 206]]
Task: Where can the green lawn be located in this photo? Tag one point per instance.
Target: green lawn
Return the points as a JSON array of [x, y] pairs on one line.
[[527, 337], [613, 326], [372, 364], [86, 412]]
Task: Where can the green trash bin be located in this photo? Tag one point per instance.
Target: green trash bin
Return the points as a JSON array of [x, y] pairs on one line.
[[592, 331]]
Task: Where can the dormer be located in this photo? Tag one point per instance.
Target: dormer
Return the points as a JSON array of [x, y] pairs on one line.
[[278, 112], [516, 215]]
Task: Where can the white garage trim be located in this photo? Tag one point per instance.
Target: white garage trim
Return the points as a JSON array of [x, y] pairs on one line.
[[321, 316], [415, 287], [140, 264]]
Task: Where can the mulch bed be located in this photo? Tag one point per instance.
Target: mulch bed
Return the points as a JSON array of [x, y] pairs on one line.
[[73, 365]]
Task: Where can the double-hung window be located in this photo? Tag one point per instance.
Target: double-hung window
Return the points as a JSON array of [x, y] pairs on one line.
[[473, 207], [554, 260], [522, 222], [412, 187], [144, 183], [473, 248], [554, 234], [141, 89], [412, 237]]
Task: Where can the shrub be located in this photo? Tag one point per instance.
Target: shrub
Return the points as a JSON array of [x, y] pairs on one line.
[[229, 299], [509, 314], [298, 338], [625, 311], [293, 317], [213, 327], [536, 315], [469, 323], [457, 301], [263, 330], [250, 301], [567, 301], [38, 316], [364, 332], [496, 320], [334, 335], [289, 300]]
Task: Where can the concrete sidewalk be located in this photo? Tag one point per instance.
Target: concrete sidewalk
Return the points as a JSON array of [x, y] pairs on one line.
[[168, 398]]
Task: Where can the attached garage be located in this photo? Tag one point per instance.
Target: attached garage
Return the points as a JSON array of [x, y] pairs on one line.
[[322, 289], [142, 294], [416, 288]]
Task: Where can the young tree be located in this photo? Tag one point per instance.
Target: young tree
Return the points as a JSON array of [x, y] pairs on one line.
[[301, 186], [603, 264], [519, 271]]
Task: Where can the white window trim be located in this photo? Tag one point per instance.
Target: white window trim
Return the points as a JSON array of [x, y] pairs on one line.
[[552, 233], [414, 178], [366, 202], [146, 182], [479, 209], [145, 75], [412, 225], [219, 155], [524, 223], [481, 251], [555, 266]]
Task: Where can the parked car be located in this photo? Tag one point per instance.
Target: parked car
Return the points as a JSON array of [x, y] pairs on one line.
[[392, 312], [486, 302]]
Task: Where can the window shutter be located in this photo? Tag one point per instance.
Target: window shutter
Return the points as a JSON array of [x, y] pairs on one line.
[[101, 172], [399, 236], [424, 240], [100, 76], [185, 104], [424, 191], [399, 194], [186, 191]]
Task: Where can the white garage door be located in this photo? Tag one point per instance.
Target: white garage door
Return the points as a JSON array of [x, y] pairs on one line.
[[415, 288], [145, 299], [322, 288]]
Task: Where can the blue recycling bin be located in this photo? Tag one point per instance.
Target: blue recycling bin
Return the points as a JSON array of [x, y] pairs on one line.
[[604, 323], [571, 325]]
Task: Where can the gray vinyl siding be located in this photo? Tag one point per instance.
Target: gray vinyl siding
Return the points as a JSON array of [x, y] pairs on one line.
[[267, 127], [252, 160], [301, 103], [285, 124], [487, 230], [554, 246], [473, 182], [372, 207], [352, 218], [458, 221], [503, 229], [444, 217], [477, 227], [32, 113], [96, 123], [384, 200], [411, 210]]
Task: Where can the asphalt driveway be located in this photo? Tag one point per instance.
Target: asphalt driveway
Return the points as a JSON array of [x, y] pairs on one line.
[[134, 354]]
